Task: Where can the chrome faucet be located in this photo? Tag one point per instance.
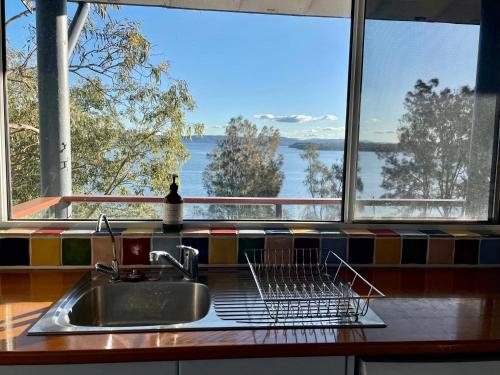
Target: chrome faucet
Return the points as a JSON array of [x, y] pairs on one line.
[[189, 268], [114, 270]]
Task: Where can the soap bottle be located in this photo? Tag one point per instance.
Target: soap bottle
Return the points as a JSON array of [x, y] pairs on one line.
[[173, 209]]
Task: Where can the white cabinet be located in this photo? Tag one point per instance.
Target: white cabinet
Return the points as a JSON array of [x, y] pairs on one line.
[[429, 367], [133, 368], [267, 366]]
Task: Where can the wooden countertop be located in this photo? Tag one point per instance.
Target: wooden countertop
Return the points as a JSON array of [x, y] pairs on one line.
[[427, 311]]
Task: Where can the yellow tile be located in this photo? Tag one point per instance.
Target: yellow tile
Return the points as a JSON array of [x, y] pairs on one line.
[[45, 251], [358, 233], [304, 231], [388, 251], [461, 233], [222, 250], [195, 232], [138, 231]]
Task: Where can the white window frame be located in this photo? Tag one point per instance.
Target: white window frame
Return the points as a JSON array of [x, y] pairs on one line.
[[351, 156]]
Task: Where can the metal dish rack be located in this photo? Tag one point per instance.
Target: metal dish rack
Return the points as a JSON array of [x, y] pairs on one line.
[[295, 285]]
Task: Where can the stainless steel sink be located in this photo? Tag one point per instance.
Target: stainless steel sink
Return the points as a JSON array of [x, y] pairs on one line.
[[145, 303], [165, 302]]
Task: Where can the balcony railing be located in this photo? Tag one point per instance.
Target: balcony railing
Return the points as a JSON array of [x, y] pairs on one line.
[[44, 204]]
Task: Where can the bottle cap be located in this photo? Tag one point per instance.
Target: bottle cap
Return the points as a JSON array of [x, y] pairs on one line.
[[173, 185]]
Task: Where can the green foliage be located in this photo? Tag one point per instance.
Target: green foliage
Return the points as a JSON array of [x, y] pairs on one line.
[[434, 140], [323, 181], [245, 163], [127, 115]]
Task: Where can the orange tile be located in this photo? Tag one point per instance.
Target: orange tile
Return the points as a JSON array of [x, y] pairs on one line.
[[388, 251], [46, 251], [440, 251], [223, 232], [101, 249], [222, 250], [279, 250]]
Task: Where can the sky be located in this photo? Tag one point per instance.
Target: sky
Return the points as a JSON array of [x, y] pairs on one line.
[[292, 72]]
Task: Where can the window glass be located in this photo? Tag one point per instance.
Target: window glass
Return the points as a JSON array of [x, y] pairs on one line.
[[421, 138], [247, 104]]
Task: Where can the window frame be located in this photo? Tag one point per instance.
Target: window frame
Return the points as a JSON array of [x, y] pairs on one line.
[[347, 220]]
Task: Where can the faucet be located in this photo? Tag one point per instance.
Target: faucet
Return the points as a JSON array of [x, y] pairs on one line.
[[189, 268], [114, 270]]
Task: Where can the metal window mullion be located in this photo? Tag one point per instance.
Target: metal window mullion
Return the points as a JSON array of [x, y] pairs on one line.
[[4, 164], [354, 104]]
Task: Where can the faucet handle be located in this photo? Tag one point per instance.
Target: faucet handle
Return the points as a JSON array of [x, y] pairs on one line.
[[188, 251], [158, 257], [190, 259]]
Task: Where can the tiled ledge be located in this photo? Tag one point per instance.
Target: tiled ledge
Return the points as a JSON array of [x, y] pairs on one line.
[[57, 247]]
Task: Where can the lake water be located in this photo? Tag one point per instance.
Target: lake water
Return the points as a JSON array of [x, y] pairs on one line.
[[293, 167]]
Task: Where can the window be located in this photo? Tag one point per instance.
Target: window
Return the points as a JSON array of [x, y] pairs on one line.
[[254, 104], [425, 152], [247, 105]]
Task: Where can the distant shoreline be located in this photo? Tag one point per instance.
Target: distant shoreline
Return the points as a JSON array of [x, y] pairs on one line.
[[334, 146], [301, 144]]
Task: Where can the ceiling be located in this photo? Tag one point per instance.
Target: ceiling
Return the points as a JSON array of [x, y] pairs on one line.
[[449, 11]]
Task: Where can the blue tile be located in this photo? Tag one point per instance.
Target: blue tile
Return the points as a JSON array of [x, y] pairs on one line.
[[278, 232], [331, 233], [435, 233], [337, 245], [361, 250], [14, 252], [199, 243], [168, 244], [489, 251], [487, 233]]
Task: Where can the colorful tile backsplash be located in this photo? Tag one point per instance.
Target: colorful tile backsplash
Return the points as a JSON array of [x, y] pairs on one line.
[[56, 247]]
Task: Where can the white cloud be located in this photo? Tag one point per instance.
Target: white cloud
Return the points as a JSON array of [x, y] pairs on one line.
[[375, 120], [384, 132], [329, 118], [317, 132], [295, 118]]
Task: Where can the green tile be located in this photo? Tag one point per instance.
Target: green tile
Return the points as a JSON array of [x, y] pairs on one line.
[[249, 245], [76, 251]]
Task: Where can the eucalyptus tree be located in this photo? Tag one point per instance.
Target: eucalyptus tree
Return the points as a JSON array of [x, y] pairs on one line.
[[127, 112], [245, 163], [434, 141]]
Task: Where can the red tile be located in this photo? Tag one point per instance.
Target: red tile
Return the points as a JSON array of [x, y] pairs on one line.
[[50, 231], [136, 250], [223, 232], [384, 233]]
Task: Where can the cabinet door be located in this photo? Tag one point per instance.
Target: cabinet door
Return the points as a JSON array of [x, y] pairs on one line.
[[426, 368], [266, 366], [133, 368]]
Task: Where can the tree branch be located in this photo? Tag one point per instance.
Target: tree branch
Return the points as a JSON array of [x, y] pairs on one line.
[[19, 15]]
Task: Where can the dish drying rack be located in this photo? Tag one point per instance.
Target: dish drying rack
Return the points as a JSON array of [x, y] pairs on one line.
[[296, 286]]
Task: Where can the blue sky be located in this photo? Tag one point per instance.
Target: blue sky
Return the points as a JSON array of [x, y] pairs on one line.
[[292, 72]]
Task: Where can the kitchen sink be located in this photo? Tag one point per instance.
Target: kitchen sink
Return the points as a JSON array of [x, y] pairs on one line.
[[145, 303], [164, 301]]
